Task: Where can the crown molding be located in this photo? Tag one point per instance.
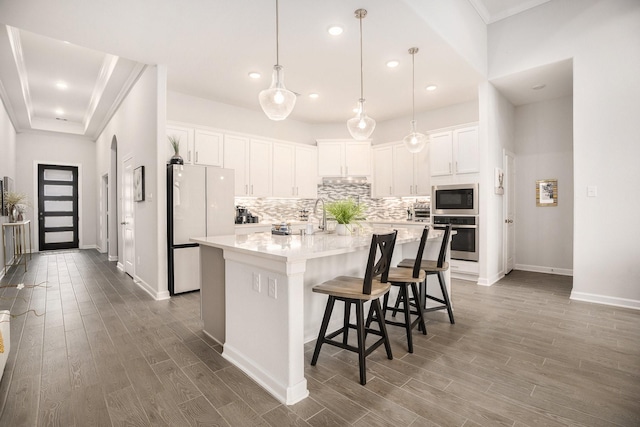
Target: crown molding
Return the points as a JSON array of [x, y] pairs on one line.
[[18, 57]]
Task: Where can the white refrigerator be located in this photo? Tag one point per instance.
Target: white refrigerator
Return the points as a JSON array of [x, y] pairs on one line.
[[200, 202]]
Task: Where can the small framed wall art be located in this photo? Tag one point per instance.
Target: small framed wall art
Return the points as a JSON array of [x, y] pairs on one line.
[[547, 192], [138, 184]]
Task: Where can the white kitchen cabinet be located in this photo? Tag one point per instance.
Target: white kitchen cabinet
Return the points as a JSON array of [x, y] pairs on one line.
[[382, 171], [344, 158], [236, 157], [411, 172], [260, 171], [454, 152], [185, 135], [294, 171], [306, 172], [251, 160], [208, 148]]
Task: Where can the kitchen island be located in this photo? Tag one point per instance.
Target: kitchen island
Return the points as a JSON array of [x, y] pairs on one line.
[[257, 301]]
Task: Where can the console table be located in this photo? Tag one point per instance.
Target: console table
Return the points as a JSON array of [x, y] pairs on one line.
[[18, 231]]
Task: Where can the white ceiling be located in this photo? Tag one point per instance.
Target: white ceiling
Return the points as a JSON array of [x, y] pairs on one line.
[[209, 49]]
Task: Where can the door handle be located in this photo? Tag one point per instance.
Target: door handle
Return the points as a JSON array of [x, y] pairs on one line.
[[124, 223], [508, 221]]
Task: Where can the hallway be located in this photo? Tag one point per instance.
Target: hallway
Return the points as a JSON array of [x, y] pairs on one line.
[[103, 352]]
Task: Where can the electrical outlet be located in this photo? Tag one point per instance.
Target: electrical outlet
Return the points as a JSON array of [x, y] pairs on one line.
[[273, 288], [256, 282]]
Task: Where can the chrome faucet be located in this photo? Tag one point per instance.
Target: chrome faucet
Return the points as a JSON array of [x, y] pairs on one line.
[[323, 224]]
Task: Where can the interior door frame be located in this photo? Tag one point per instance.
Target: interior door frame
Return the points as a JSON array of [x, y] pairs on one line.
[[35, 217], [123, 259], [505, 203]]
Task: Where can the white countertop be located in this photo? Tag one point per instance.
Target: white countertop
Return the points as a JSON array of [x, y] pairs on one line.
[[296, 247]]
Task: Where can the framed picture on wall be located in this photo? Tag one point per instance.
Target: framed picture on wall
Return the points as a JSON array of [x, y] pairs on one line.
[[138, 184], [547, 192]]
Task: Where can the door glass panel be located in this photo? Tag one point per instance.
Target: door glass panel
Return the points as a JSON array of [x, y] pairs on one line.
[[58, 221], [58, 175], [58, 190], [58, 206], [58, 236]]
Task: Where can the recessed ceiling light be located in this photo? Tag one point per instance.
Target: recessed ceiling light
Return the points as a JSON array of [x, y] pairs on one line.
[[61, 85], [254, 75], [431, 88], [392, 64], [313, 95], [59, 111], [335, 30], [538, 86]]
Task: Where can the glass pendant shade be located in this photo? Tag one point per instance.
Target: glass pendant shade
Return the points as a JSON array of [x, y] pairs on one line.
[[415, 141], [361, 126], [277, 102]]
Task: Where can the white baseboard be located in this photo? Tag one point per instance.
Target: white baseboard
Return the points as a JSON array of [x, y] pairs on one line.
[[112, 258], [148, 289], [605, 299], [120, 267], [88, 247], [488, 281], [543, 269]]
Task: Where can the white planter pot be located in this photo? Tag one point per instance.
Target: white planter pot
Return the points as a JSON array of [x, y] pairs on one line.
[[342, 230]]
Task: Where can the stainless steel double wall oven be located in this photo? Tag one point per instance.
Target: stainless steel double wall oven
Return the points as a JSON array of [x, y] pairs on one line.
[[458, 205]]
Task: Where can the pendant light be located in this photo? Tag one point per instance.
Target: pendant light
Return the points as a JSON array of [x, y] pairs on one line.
[[415, 141], [361, 126], [277, 102]]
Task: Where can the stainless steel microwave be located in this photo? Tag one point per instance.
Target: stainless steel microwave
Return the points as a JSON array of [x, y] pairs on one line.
[[458, 199]]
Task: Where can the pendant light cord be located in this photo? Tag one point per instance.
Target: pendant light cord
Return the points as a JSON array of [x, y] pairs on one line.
[[361, 73], [413, 87], [277, 36]]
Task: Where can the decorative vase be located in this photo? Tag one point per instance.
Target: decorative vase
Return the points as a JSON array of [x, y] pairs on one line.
[[176, 159], [13, 214], [342, 230]]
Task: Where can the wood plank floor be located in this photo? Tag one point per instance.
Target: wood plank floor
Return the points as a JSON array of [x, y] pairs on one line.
[[102, 352]]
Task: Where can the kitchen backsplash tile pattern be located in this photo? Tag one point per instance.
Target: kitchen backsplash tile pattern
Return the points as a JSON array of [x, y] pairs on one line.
[[277, 210]]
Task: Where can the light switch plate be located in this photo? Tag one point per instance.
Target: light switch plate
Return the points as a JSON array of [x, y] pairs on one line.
[[273, 288], [256, 282]]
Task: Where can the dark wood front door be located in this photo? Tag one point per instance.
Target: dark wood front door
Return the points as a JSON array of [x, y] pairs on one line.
[[57, 207]]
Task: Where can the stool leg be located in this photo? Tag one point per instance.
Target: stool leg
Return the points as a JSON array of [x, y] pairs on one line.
[[396, 305], [383, 327], [445, 294], [407, 316], [416, 297], [361, 347], [347, 315], [323, 329]]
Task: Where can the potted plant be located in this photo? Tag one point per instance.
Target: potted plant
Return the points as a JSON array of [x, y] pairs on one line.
[[16, 204], [345, 212], [176, 159]]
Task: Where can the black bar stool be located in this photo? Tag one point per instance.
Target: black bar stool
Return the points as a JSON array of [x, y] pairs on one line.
[[437, 267], [407, 280], [355, 290]]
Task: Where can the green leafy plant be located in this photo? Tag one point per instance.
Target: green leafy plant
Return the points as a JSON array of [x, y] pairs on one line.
[[346, 211], [175, 143]]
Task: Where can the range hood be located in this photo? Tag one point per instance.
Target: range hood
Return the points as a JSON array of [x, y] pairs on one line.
[[345, 180]]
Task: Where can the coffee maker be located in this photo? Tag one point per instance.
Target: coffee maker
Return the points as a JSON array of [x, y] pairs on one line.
[[243, 216]]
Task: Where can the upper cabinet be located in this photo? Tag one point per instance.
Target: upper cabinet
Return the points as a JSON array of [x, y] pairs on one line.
[[454, 152], [185, 135], [197, 146], [208, 148], [410, 172], [344, 158], [399, 173], [251, 160], [294, 171]]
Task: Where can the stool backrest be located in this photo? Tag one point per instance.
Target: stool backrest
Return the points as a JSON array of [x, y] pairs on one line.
[[445, 244], [418, 263], [385, 242]]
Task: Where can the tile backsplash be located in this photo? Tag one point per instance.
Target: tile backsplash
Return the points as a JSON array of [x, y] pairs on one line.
[[277, 210]]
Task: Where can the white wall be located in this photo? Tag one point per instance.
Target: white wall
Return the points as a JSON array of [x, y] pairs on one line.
[[496, 134], [59, 149], [190, 109], [136, 126], [602, 38], [7, 157], [544, 150]]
